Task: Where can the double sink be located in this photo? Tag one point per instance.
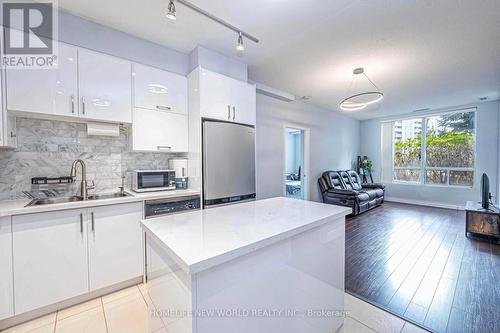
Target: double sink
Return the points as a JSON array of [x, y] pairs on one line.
[[84, 187], [50, 201]]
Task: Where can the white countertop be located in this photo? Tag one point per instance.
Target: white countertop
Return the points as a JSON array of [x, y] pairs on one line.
[[18, 207], [202, 239]]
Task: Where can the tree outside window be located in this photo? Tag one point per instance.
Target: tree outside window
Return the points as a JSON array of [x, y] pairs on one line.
[[435, 150]]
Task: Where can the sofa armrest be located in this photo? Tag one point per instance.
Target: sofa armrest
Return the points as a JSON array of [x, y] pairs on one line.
[[351, 193], [380, 186]]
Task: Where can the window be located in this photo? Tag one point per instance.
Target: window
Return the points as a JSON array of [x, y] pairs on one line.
[[407, 150], [435, 150]]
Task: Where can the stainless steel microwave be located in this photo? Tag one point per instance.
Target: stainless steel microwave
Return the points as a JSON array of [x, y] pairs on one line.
[[153, 180]]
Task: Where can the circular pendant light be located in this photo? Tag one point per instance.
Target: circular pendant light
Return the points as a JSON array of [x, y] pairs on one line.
[[361, 100]]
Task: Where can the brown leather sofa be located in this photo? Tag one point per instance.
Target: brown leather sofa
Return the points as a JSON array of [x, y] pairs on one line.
[[345, 188]]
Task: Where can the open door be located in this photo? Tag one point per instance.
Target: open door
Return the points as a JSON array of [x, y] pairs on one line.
[[296, 162]]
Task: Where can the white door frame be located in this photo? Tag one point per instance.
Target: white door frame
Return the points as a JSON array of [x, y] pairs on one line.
[[307, 152]]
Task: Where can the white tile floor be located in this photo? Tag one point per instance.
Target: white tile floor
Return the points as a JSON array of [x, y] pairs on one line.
[[126, 311]]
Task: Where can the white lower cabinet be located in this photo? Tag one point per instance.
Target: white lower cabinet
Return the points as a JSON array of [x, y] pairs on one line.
[[50, 258], [115, 244], [62, 254], [6, 282]]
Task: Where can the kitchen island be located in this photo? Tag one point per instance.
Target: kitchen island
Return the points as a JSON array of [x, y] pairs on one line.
[[274, 265]]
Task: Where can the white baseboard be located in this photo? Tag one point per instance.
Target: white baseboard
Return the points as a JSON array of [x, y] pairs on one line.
[[425, 203]]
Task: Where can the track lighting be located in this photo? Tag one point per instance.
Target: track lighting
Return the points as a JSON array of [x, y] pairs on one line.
[[240, 46], [171, 11], [171, 14]]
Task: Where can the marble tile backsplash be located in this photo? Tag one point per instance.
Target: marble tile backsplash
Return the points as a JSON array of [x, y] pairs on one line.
[[47, 148]]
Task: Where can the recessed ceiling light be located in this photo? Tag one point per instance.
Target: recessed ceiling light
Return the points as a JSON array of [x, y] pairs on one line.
[[171, 14]]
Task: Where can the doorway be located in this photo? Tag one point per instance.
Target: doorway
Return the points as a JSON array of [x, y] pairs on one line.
[[296, 162]]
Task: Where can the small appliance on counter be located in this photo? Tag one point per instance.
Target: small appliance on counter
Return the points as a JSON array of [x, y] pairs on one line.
[[153, 180], [180, 166]]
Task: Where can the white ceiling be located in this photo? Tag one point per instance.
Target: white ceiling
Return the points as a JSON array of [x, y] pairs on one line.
[[421, 53]]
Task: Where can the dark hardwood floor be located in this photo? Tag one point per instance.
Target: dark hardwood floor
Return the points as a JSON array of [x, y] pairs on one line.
[[416, 262]]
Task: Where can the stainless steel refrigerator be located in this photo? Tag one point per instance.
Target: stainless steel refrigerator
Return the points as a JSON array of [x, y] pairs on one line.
[[228, 163]]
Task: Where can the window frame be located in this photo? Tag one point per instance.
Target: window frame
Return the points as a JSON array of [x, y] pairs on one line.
[[423, 161]]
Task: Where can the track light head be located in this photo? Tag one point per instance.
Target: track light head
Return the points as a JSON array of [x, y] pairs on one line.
[[171, 14], [240, 47]]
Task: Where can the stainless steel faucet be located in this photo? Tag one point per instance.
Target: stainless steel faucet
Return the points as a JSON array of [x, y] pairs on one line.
[[83, 185]]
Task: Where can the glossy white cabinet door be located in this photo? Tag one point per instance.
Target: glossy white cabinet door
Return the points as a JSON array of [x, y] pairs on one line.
[[48, 91], [105, 87], [3, 114], [6, 283], [159, 131], [115, 244], [159, 90], [50, 258], [244, 102], [215, 95]]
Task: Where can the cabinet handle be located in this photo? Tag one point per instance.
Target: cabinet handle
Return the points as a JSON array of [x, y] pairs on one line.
[[163, 147], [72, 98], [92, 221], [83, 106], [229, 112], [81, 223], [164, 108], [234, 112], [12, 134]]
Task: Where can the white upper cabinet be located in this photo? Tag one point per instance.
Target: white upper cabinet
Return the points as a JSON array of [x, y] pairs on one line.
[[6, 274], [156, 89], [48, 91], [244, 102], [225, 98], [115, 244], [8, 137], [105, 84], [160, 120], [50, 258], [85, 84], [161, 131], [215, 95]]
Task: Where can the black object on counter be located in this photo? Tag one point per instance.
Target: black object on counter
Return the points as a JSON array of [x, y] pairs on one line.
[[55, 180]]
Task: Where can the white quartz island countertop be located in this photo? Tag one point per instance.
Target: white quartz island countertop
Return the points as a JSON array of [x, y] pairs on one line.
[[202, 239]]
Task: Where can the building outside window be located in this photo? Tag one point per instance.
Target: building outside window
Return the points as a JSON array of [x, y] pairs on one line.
[[435, 149]]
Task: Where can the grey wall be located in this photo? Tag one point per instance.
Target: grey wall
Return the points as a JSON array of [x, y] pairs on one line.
[[334, 142], [487, 150]]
